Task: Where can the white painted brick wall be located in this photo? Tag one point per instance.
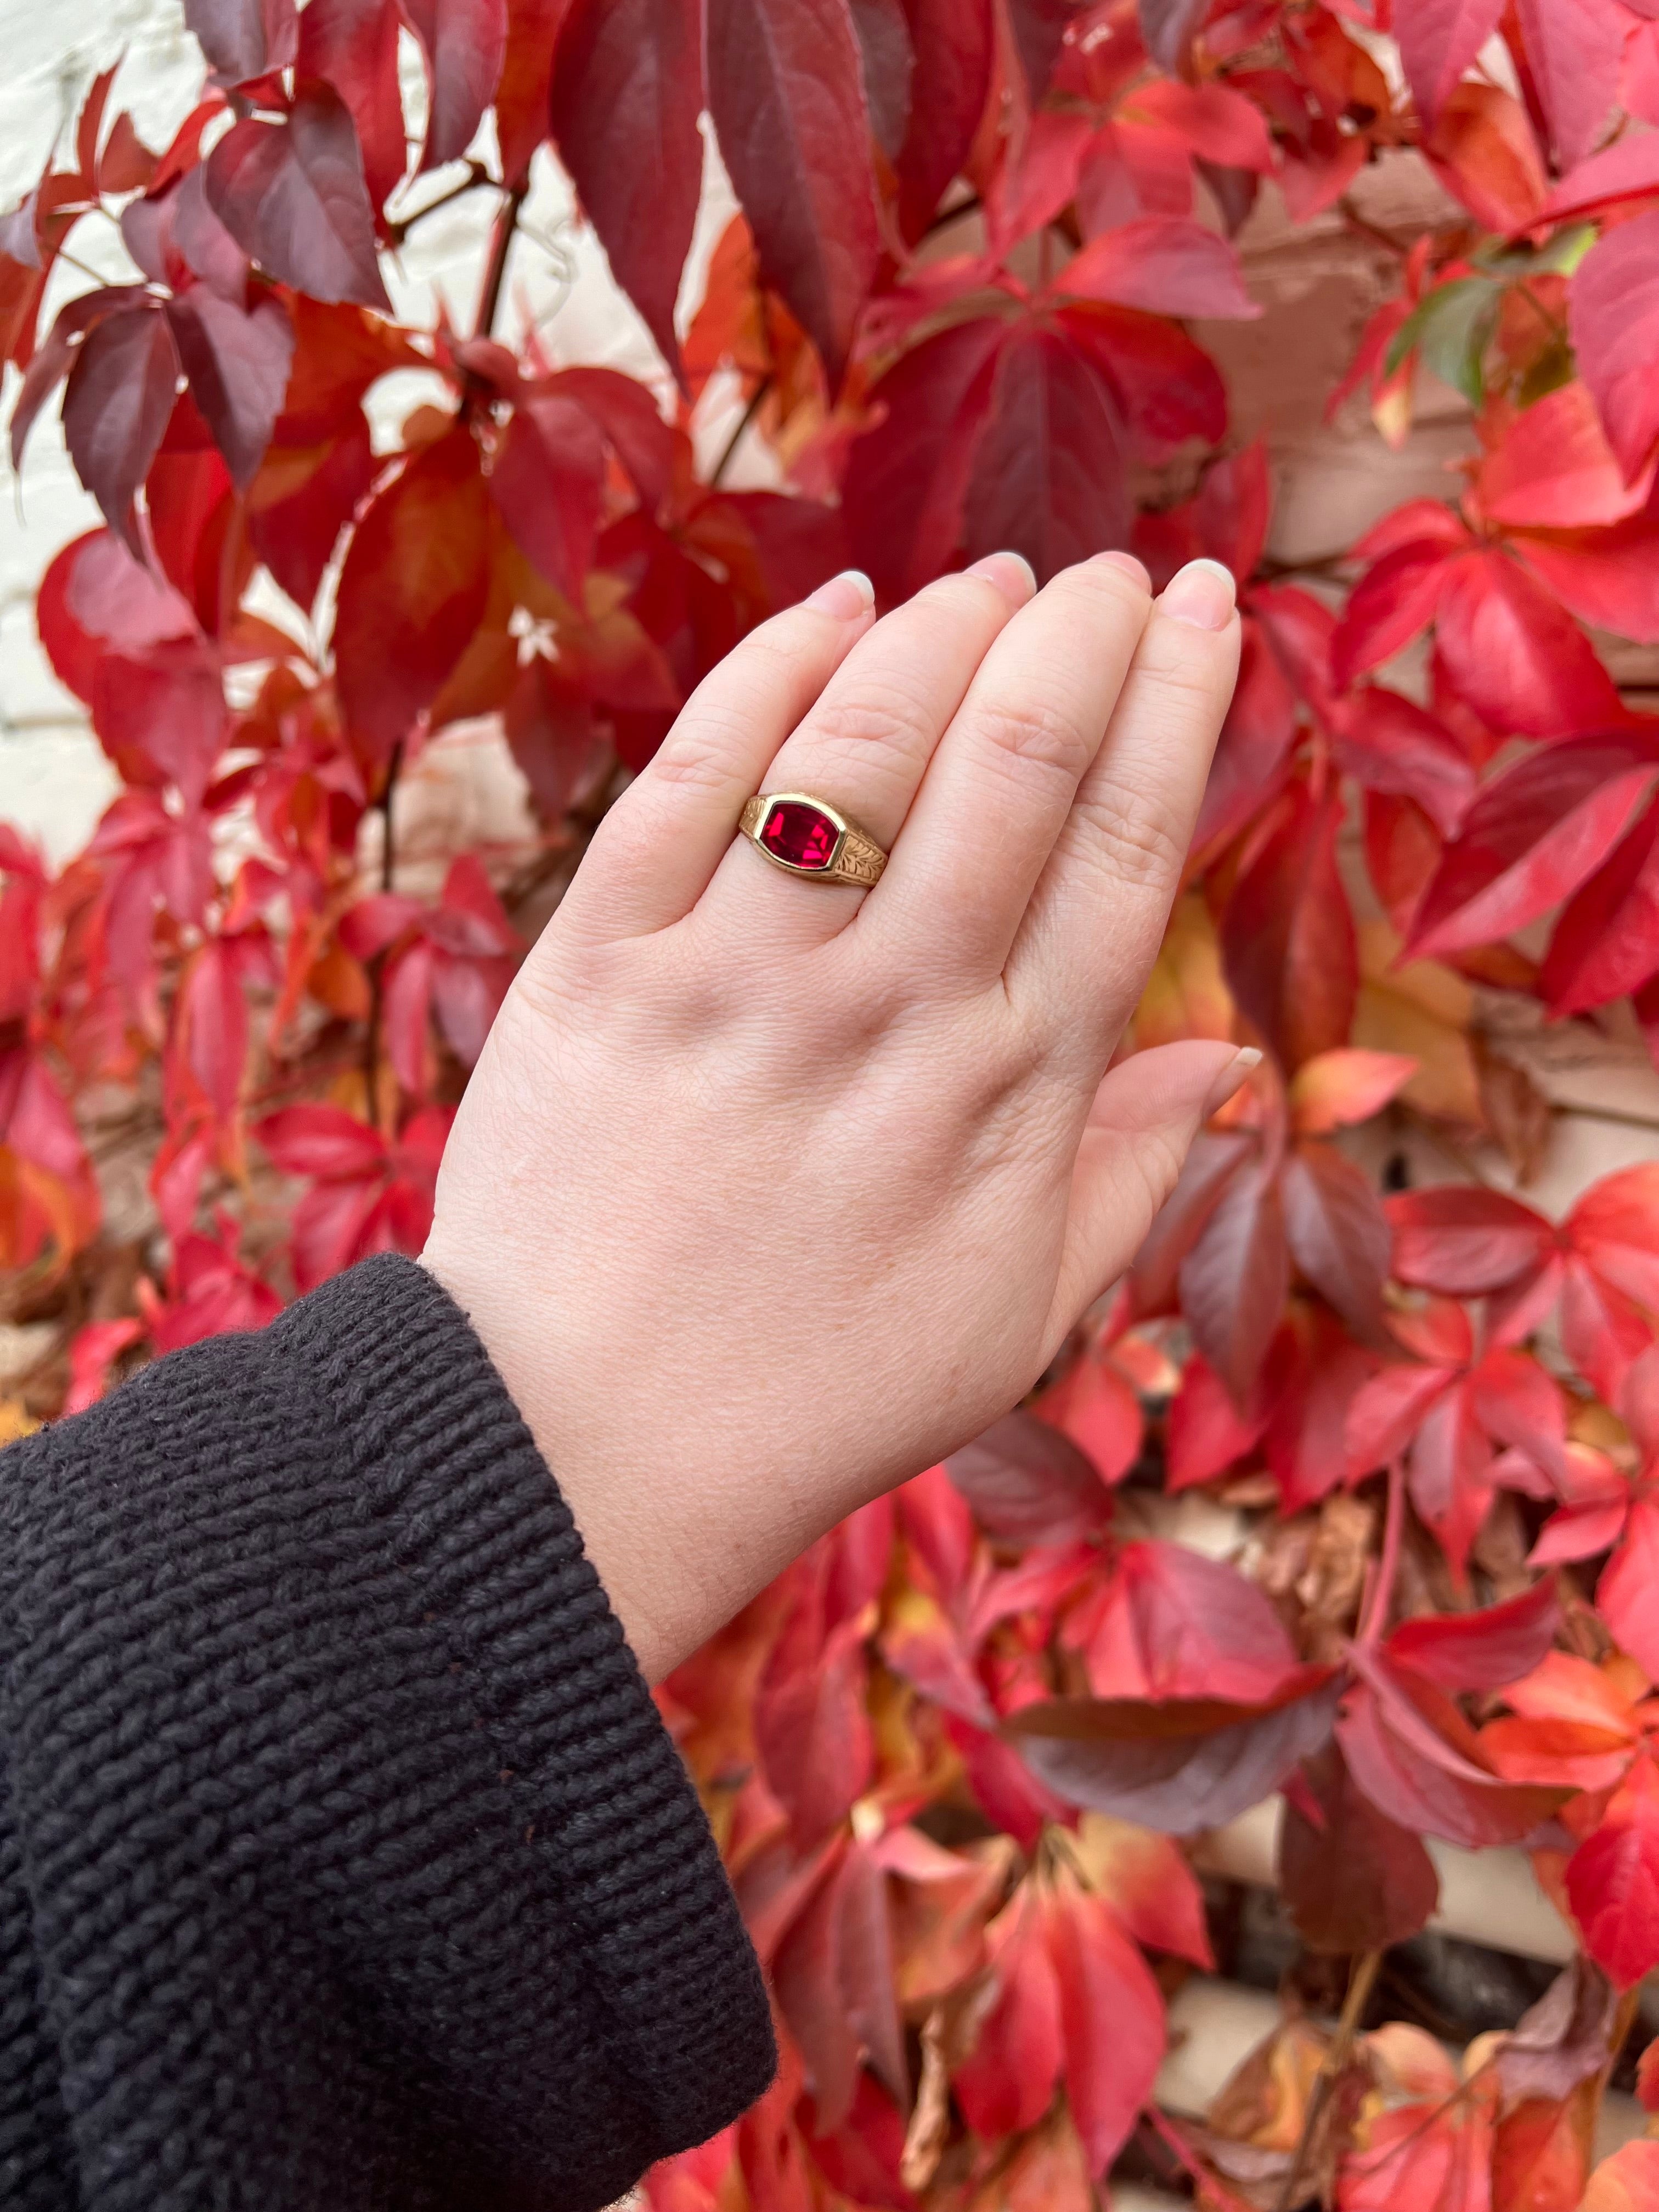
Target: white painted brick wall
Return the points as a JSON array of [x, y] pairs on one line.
[[54, 779]]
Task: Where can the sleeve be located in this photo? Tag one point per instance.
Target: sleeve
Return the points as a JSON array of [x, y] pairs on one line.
[[344, 1861]]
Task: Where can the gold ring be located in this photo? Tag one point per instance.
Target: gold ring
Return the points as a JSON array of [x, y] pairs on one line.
[[809, 837]]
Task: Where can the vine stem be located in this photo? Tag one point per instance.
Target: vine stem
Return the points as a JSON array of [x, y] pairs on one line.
[[388, 863], [500, 245], [1360, 1982], [477, 174], [743, 429], [1387, 1559]]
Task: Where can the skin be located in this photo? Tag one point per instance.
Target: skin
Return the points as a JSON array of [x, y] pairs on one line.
[[768, 1193]]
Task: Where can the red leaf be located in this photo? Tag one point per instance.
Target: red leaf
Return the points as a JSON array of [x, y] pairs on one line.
[[1573, 47], [1172, 1624], [353, 46], [164, 712], [1008, 2079], [1416, 1758], [1111, 2018], [1607, 941], [1287, 935], [1093, 1404], [1387, 1411], [1533, 835], [1338, 1233], [907, 476], [242, 38], [1481, 1650], [1608, 578], [1337, 1088], [1358, 1882], [1464, 1240], [1169, 27], [1211, 120], [953, 41], [1483, 150], [1234, 1281], [804, 1975], [1387, 742], [213, 1013], [237, 364], [548, 480], [1253, 755], [787, 95], [1624, 1594], [464, 42], [1613, 1881], [1553, 469], [1522, 665], [1624, 170], [813, 1733], [632, 73], [521, 98], [302, 498], [1038, 28], [1164, 264], [887, 63], [1178, 1767], [1438, 40], [116, 406], [1206, 1433], [1047, 475], [292, 195], [1029, 1484], [321, 1140], [1615, 1226], [1168, 387], [412, 591], [1387, 607]]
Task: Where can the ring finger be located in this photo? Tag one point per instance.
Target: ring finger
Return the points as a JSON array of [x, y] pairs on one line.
[[864, 745]]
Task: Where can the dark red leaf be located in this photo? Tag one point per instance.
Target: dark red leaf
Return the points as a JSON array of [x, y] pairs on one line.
[[1387, 742], [464, 42], [243, 39], [302, 498], [633, 74], [548, 480], [787, 96], [1354, 1880], [237, 364], [1047, 475], [353, 46], [1481, 1650], [292, 195], [1417, 1759], [1465, 1241], [1234, 1281], [1607, 940], [55, 358], [907, 476], [1171, 1623], [522, 121], [953, 41], [1531, 838], [116, 406], [412, 591], [888, 62], [813, 1733], [1338, 1233], [1177, 1766], [1029, 1485], [1287, 936], [1168, 387]]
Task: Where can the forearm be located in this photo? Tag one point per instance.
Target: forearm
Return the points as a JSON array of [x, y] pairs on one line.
[[333, 1778]]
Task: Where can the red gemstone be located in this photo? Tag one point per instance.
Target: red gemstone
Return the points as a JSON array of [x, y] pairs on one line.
[[803, 836]]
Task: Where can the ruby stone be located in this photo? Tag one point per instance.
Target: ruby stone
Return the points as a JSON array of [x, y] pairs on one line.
[[803, 836]]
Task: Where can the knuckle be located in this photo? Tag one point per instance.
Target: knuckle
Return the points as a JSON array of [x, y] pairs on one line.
[[884, 726], [1094, 585], [1035, 732], [1132, 836], [697, 758]]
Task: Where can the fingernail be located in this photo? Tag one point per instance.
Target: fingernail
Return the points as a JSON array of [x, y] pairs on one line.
[[1202, 593], [1135, 570], [844, 596], [1011, 573], [1243, 1064]]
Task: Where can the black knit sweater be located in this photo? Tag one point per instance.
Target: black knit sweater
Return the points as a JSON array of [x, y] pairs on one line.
[[343, 1861]]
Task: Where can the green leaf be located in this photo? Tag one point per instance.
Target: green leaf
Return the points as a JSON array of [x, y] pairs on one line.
[[1450, 330]]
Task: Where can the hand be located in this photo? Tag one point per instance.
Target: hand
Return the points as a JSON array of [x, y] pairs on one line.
[[768, 1193]]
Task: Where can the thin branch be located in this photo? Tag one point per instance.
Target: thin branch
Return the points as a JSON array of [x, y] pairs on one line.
[[946, 217], [1364, 228], [500, 245], [477, 174], [376, 966], [742, 431], [1330, 2071]]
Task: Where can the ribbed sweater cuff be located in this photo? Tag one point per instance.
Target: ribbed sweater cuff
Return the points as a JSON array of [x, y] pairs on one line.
[[437, 1451]]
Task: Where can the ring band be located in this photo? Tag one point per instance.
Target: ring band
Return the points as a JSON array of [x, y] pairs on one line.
[[809, 837]]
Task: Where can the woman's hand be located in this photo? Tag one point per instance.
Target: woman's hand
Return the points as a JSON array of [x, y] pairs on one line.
[[766, 1193]]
